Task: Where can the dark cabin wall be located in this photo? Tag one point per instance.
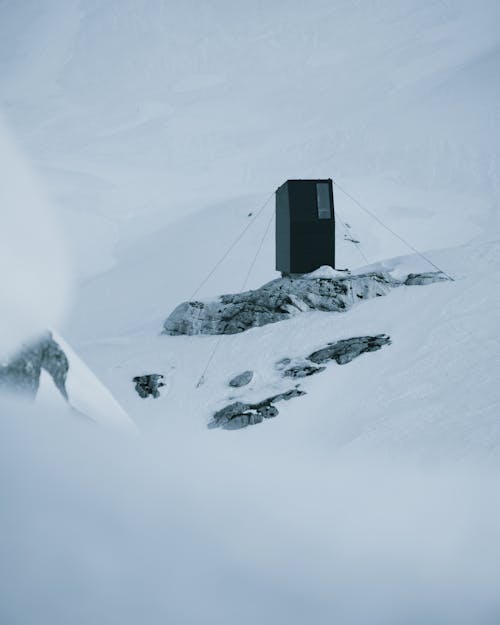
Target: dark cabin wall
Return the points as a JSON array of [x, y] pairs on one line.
[[303, 241]]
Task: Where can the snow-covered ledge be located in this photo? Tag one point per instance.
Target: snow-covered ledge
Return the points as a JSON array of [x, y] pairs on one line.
[[324, 289]]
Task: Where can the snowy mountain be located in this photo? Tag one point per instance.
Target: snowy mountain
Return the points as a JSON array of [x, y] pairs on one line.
[[156, 135]]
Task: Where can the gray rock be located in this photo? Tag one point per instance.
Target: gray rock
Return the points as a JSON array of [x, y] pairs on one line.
[[294, 392], [302, 370], [21, 373], [149, 384], [268, 411], [236, 416], [282, 299], [240, 415], [242, 421], [418, 279], [347, 349], [233, 410], [242, 379]]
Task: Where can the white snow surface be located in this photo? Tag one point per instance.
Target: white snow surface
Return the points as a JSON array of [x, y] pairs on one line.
[[157, 128], [35, 275], [88, 396], [325, 271]]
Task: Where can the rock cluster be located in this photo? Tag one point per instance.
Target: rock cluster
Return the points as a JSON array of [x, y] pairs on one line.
[[240, 415], [21, 373], [342, 352], [149, 384], [302, 370], [347, 349], [242, 379], [429, 277], [281, 299]]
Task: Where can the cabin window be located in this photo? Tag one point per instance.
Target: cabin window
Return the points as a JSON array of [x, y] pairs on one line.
[[323, 200]]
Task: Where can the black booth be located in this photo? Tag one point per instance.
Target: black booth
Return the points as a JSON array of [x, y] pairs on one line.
[[305, 226]]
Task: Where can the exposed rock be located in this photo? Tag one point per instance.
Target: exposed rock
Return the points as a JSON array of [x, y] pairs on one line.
[[268, 411], [294, 392], [242, 379], [302, 370], [347, 349], [237, 415], [429, 277], [21, 373], [240, 415], [149, 384], [276, 301]]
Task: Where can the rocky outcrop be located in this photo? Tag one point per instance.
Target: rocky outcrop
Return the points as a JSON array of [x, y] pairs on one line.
[[148, 385], [21, 373], [342, 352], [347, 349], [282, 299], [421, 279], [239, 415], [241, 380], [302, 370]]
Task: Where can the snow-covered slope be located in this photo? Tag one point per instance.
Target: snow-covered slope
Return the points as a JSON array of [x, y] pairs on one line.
[[370, 499], [89, 398], [157, 128], [430, 393]]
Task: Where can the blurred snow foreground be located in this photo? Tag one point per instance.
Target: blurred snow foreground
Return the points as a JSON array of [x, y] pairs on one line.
[[33, 265], [24, 375], [35, 290]]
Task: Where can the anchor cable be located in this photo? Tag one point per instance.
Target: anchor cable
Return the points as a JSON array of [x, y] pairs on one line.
[[230, 248], [378, 220], [357, 244], [201, 379]]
